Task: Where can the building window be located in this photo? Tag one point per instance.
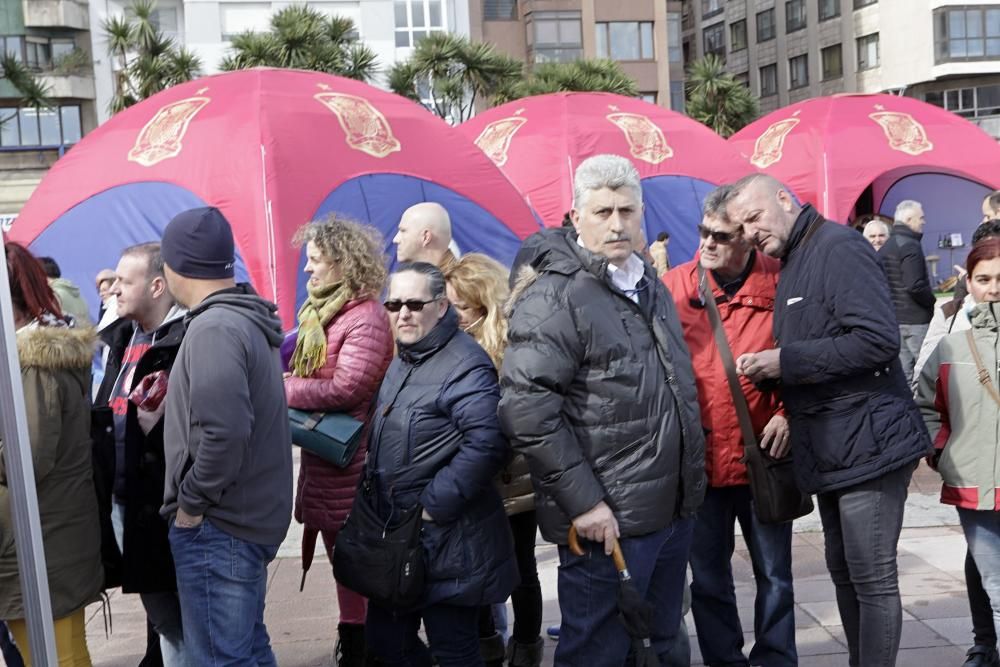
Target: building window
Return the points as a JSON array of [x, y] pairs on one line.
[[556, 36], [39, 53], [415, 19], [743, 78], [868, 52], [829, 9], [236, 18], [765, 25], [795, 15], [648, 97], [714, 40], [833, 62], [977, 102], [768, 80], [499, 10], [798, 71], [710, 8], [966, 34], [41, 128], [166, 19], [677, 96], [13, 44], [625, 40], [738, 35], [675, 53], [863, 3]]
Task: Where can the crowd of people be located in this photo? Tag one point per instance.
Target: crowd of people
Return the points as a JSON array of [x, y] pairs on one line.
[[591, 393]]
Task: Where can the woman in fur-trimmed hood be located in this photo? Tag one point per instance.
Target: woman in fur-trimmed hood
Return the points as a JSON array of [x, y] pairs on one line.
[[55, 372]]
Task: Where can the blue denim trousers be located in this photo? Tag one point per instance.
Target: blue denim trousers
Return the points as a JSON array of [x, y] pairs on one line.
[[982, 533], [591, 633], [221, 581], [713, 596], [861, 526], [452, 632]]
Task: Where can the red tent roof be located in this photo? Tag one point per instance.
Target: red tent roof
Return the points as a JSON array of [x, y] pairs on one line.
[[539, 141], [829, 149]]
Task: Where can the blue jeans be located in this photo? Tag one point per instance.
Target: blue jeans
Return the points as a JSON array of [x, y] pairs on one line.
[[713, 596], [221, 581], [162, 609], [591, 633], [982, 532], [861, 525], [452, 632]]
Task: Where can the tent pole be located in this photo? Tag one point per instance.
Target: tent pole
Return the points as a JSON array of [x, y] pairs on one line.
[[20, 474]]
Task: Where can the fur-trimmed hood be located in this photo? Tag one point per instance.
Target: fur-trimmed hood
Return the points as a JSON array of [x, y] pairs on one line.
[[56, 348]]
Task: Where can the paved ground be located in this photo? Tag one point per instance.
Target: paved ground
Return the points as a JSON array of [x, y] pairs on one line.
[[931, 551]]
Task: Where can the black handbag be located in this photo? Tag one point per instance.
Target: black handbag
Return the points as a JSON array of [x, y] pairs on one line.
[[776, 495], [380, 559], [332, 436]]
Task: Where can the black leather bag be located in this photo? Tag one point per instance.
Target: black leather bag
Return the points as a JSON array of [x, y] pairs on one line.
[[776, 495], [382, 560]]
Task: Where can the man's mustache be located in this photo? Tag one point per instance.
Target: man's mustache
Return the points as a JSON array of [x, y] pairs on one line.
[[621, 237]]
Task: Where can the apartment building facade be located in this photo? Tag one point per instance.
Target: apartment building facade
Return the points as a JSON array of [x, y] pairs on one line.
[[52, 38], [945, 52], [644, 36]]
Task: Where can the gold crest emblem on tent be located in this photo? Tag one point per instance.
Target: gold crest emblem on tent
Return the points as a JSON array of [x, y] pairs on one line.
[[365, 128], [160, 138], [495, 138], [645, 139], [769, 146], [904, 133]]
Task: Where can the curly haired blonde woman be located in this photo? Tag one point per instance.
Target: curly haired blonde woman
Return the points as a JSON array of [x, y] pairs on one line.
[[477, 289], [343, 349]]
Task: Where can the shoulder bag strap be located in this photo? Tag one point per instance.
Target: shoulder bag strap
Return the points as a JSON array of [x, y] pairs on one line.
[[984, 375], [728, 363]]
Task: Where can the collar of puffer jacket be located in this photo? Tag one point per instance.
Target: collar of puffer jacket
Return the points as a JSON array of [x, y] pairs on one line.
[[436, 338], [986, 315]]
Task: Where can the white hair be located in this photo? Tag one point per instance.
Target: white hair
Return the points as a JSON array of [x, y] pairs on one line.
[[885, 227], [905, 209], [604, 171]]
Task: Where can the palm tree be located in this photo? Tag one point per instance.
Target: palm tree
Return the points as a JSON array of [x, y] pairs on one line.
[[145, 60], [453, 72], [304, 38], [716, 99], [595, 75], [33, 92]]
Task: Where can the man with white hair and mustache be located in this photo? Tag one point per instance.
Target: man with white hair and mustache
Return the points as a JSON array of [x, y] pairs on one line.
[[598, 393]]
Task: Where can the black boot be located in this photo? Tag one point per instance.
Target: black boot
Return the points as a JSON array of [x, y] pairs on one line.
[[982, 656], [492, 650], [350, 648], [525, 655]]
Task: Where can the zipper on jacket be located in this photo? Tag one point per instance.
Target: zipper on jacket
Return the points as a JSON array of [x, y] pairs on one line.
[[620, 454]]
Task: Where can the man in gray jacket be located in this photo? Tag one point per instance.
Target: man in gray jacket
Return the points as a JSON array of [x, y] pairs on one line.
[[598, 393], [228, 489]]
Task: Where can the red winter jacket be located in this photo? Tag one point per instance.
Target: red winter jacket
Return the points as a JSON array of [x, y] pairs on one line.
[[747, 322], [358, 351]]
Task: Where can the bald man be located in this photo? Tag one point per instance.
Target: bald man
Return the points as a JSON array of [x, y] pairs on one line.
[[856, 433], [424, 235]]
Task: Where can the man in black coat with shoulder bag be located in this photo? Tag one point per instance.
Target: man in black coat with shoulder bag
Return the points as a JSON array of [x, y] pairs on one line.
[[856, 433]]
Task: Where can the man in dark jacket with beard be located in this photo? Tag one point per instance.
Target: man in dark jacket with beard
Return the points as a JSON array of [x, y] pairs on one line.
[[856, 433], [599, 395], [228, 491], [910, 289]]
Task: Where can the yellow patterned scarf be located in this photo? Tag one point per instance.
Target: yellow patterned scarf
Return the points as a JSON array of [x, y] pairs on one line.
[[310, 347]]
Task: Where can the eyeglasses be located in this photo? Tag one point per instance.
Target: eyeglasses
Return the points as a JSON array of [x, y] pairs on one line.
[[718, 237], [413, 305]]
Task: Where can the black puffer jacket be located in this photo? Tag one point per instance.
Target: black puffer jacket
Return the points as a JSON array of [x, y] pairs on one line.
[[851, 413], [600, 397], [903, 259], [435, 440]]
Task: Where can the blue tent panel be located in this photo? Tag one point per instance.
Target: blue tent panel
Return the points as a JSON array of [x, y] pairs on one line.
[[673, 205], [91, 235]]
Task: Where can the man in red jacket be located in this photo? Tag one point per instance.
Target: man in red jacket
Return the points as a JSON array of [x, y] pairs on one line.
[[743, 283]]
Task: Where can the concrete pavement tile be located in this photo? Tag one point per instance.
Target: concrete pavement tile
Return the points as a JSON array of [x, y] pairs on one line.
[[838, 633], [297, 629], [816, 641], [831, 660], [824, 613], [929, 584], [930, 657], [304, 654], [910, 563], [958, 631], [953, 604], [814, 590], [917, 635], [808, 561]]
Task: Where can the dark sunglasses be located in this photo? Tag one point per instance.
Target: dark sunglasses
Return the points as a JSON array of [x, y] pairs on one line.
[[718, 237], [413, 305]]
